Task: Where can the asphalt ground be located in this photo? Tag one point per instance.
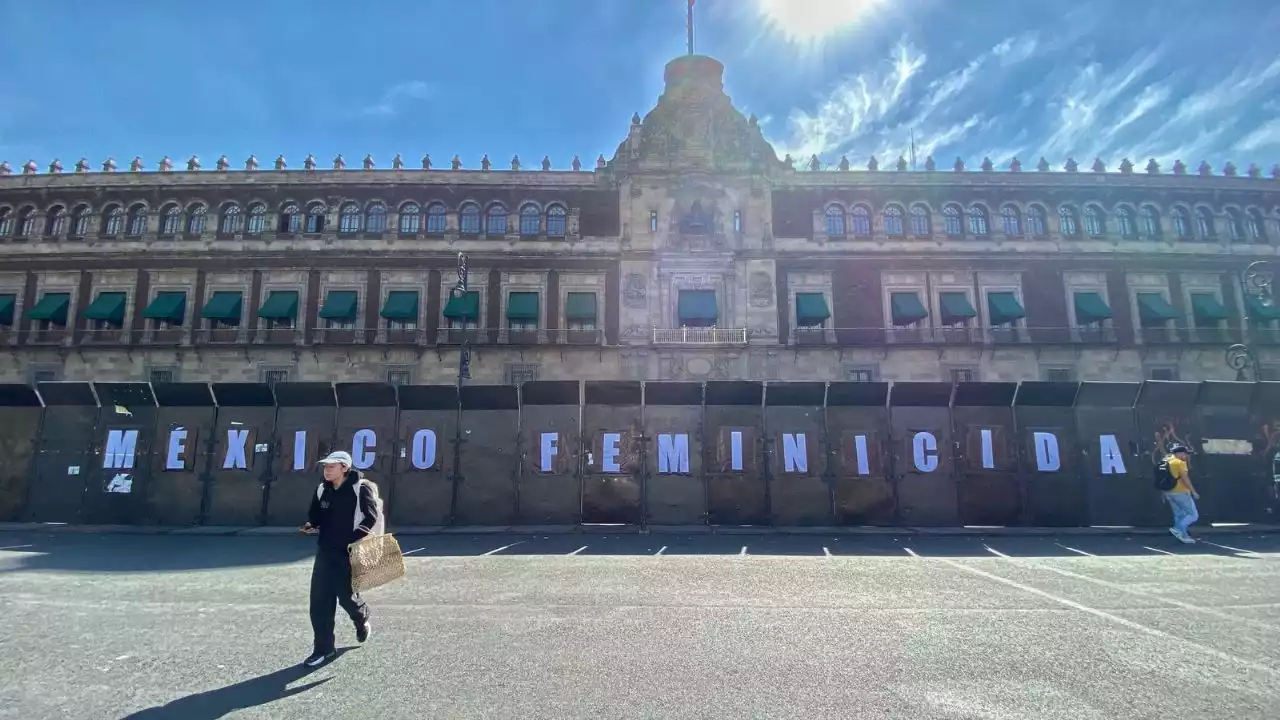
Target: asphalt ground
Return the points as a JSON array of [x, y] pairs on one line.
[[650, 626]]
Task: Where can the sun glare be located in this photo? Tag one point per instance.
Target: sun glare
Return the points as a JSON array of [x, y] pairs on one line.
[[812, 21]]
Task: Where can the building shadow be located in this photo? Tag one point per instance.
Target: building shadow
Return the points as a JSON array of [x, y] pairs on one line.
[[75, 552], [243, 695]]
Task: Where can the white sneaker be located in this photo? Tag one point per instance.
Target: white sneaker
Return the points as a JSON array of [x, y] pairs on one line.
[[1187, 539], [1176, 533]]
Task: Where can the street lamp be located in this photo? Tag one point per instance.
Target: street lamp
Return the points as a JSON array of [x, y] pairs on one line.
[[1255, 285], [464, 350]]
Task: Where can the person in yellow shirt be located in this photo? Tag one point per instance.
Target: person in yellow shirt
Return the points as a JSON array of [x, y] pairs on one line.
[[1182, 496]]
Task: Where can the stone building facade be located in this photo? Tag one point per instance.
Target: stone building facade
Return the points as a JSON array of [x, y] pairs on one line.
[[694, 253]]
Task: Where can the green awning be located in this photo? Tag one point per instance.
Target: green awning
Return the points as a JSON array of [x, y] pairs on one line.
[[1206, 307], [1090, 308], [811, 309], [906, 308], [955, 307], [522, 306], [340, 305], [107, 307], [51, 307], [401, 305], [697, 308], [1152, 307], [1260, 311], [1004, 308], [168, 306], [280, 305], [580, 306], [224, 306], [7, 303], [466, 307]]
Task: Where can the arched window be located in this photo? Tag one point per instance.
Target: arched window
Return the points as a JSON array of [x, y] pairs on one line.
[[137, 220], [349, 218], [229, 220], [6, 222], [953, 221], [1181, 223], [1067, 224], [1151, 223], [410, 218], [55, 221], [437, 219], [1235, 225], [556, 216], [170, 220], [195, 219], [893, 225], [290, 218], [530, 220], [1095, 223], [921, 226], [469, 219], [1255, 227], [835, 221], [315, 217], [978, 220], [1011, 221], [1037, 222], [1204, 223], [860, 221], [113, 220], [495, 221], [375, 218], [80, 221], [257, 219], [27, 222], [1124, 218]]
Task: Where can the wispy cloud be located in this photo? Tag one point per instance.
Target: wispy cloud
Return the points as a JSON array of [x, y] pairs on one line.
[[395, 98]]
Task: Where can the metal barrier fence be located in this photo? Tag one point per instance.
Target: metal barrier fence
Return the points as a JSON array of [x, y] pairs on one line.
[[640, 453]]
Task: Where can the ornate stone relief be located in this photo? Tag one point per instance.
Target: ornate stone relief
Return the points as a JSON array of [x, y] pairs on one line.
[[762, 289], [635, 291]]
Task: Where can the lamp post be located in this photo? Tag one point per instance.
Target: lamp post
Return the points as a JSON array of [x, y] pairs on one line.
[[464, 350], [1255, 285]]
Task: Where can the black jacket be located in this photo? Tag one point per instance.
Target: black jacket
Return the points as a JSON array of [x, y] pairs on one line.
[[346, 514]]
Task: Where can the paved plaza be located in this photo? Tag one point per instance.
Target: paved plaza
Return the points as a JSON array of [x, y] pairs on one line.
[[650, 626]]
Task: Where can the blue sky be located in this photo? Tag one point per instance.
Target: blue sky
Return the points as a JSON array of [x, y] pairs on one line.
[[1111, 78]]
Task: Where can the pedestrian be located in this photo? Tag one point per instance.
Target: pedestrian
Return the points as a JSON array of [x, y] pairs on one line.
[[1182, 496], [344, 509]]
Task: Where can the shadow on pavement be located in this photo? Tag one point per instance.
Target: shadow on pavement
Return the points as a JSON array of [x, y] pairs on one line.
[[240, 696], [147, 553]]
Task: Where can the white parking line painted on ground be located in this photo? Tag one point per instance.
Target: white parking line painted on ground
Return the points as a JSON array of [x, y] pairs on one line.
[[575, 552], [994, 551], [911, 552], [826, 551], [743, 551], [1157, 550], [1125, 622], [660, 551], [1074, 550], [1242, 551], [410, 552], [16, 547], [495, 551]]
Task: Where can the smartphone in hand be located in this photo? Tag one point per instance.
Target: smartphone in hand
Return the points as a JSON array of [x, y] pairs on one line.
[[308, 529]]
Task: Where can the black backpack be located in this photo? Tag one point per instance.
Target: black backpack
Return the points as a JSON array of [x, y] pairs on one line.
[[1164, 480]]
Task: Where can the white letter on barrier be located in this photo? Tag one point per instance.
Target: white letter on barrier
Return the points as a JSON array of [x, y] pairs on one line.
[[735, 451], [924, 448], [673, 453], [362, 445], [424, 449], [121, 445], [988, 455], [1112, 460], [549, 450], [609, 453], [173, 459], [1047, 458], [236, 442], [300, 450], [795, 457], [860, 445]]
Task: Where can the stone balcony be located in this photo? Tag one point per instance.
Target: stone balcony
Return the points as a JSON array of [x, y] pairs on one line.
[[699, 336]]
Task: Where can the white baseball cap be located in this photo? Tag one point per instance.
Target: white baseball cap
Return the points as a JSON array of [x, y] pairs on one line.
[[337, 457]]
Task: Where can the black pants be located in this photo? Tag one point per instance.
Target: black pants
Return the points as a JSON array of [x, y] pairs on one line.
[[330, 586]]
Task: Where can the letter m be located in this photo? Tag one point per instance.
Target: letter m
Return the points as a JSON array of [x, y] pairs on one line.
[[121, 446], [673, 454]]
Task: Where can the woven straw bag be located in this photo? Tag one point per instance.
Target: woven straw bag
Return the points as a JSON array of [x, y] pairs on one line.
[[375, 561]]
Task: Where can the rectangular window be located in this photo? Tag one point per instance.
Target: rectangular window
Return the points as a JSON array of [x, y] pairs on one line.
[[959, 375], [399, 377], [737, 221], [160, 376], [271, 377], [860, 374], [520, 373], [653, 221], [1059, 375], [1162, 373]]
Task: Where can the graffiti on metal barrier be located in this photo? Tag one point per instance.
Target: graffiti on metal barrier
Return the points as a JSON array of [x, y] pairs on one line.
[[120, 483]]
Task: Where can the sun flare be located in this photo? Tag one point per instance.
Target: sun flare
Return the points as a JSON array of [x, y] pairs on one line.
[[812, 21]]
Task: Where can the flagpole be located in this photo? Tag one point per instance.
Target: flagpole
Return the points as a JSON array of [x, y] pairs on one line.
[[691, 26]]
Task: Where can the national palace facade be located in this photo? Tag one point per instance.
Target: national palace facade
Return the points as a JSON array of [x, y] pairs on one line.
[[694, 253]]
